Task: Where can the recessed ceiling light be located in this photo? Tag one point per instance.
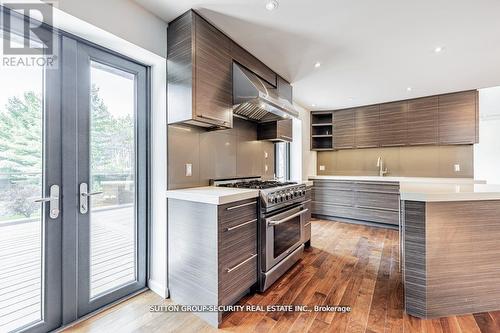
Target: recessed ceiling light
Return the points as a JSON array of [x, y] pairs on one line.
[[317, 65], [409, 89], [313, 105], [438, 49], [272, 5]]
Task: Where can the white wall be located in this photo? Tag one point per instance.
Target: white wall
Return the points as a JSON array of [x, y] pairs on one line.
[[122, 18], [308, 156], [487, 151]]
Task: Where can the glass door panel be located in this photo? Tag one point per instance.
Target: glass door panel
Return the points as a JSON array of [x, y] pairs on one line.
[[21, 171], [30, 246], [112, 175]]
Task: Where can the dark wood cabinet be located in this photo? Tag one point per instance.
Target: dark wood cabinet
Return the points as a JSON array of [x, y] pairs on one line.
[[448, 119], [423, 121], [367, 121], [213, 97], [458, 118], [393, 124], [285, 89], [376, 202], [281, 130], [199, 73], [246, 59], [344, 129]]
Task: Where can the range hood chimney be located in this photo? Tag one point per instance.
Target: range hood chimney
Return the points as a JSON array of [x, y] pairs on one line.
[[257, 100]]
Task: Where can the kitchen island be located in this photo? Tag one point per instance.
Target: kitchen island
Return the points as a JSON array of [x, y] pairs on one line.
[[451, 249]]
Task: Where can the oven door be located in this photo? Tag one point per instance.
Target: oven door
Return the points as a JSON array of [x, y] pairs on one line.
[[283, 234]]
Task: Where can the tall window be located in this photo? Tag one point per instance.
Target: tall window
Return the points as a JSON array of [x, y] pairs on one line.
[[282, 160]]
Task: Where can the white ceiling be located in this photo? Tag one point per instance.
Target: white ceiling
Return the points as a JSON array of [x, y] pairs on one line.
[[370, 51]]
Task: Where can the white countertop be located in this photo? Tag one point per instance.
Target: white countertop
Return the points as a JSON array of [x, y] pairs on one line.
[[449, 192], [403, 179], [213, 195]]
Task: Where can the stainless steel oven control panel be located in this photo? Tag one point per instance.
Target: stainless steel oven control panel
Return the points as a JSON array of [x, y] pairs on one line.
[[284, 195]]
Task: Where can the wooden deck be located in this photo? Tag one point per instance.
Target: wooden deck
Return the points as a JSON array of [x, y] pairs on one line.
[[112, 263], [348, 264]]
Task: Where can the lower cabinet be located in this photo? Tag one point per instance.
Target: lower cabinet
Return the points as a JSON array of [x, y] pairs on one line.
[[376, 202], [212, 253]]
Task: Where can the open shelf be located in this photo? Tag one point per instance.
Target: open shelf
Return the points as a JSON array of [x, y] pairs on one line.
[[321, 130]]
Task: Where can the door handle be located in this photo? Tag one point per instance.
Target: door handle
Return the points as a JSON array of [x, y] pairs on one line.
[[53, 200], [84, 198], [286, 219]]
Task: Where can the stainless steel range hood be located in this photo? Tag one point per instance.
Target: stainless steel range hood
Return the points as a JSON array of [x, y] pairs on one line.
[[257, 100]]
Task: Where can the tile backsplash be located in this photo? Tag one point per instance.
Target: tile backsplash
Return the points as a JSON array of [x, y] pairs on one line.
[[421, 161], [217, 154]]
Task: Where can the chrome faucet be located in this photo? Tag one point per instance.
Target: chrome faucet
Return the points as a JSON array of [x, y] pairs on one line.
[[380, 164]]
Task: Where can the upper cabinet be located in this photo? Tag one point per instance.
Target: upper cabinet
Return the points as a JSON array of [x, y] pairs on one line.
[[458, 118], [344, 129], [448, 119], [367, 120], [246, 59], [280, 130], [393, 124], [423, 121], [285, 89], [199, 73]]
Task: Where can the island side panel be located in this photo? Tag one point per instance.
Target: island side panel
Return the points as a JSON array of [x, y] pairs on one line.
[[463, 251], [414, 258], [193, 259]]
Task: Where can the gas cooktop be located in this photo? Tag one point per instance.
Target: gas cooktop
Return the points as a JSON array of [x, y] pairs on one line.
[[257, 184]]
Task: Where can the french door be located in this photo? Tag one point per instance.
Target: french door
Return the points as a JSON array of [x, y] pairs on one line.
[[73, 189], [111, 176]]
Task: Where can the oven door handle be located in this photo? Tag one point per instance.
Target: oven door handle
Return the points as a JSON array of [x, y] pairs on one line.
[[286, 219]]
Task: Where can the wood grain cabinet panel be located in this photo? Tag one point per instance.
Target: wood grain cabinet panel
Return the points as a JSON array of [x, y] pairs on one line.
[[423, 121], [213, 74], [199, 66], [367, 121], [246, 59], [280, 130], [393, 124], [458, 118], [343, 129]]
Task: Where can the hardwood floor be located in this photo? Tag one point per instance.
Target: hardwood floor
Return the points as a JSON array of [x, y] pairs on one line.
[[348, 264]]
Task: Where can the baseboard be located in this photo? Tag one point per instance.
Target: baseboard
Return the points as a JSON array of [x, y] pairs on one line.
[[158, 288], [346, 220]]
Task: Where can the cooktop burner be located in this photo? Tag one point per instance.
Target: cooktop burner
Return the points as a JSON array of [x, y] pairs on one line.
[[257, 184]]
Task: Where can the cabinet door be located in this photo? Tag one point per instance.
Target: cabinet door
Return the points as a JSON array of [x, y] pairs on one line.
[[284, 89], [244, 58], [367, 126], [343, 129], [457, 118], [393, 122], [423, 121], [213, 75], [284, 129]]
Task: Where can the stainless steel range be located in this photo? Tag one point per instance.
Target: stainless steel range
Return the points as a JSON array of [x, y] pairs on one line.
[[281, 220]]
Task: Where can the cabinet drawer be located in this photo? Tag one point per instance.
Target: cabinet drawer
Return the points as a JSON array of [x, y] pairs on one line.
[[237, 242], [234, 213], [377, 200], [322, 208], [344, 198], [376, 215], [334, 185], [234, 280], [390, 187]]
